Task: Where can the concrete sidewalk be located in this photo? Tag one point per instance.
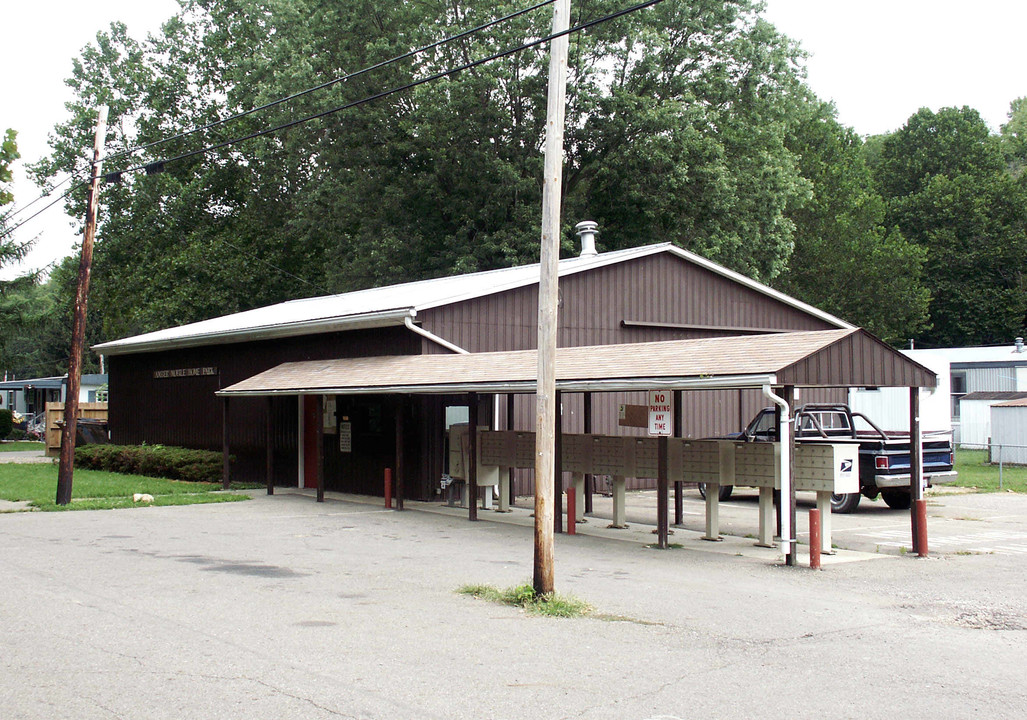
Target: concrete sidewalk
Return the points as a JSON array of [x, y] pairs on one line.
[[597, 526]]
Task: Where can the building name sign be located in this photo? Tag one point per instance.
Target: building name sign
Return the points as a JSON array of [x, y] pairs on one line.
[[184, 372]]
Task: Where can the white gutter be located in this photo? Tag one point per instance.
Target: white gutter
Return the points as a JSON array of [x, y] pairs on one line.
[[409, 322], [786, 490], [521, 386], [169, 341]]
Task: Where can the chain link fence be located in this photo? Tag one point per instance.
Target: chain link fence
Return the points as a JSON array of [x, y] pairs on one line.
[[1003, 456]]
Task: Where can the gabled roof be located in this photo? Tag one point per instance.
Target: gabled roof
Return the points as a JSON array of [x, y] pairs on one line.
[[828, 358], [979, 355], [390, 305]]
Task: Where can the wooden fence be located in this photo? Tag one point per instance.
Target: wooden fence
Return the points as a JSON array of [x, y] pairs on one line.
[[55, 413]]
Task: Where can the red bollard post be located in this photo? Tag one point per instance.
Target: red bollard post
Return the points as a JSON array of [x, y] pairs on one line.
[[815, 540], [920, 541], [388, 488], [572, 511]]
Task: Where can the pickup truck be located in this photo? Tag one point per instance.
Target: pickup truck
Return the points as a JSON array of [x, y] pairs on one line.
[[883, 456]]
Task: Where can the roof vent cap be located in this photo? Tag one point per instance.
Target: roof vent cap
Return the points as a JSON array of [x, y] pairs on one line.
[[1019, 345], [587, 231]]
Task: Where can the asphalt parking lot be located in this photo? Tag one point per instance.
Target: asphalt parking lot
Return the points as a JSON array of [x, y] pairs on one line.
[[285, 608]]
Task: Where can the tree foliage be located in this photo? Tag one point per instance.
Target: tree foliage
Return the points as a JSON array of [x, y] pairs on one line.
[[688, 122], [677, 125], [949, 190], [847, 261], [11, 251]]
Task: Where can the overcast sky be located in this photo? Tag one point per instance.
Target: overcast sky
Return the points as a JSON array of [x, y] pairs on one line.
[[878, 60]]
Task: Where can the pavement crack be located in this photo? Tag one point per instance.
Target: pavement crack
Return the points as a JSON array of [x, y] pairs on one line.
[[280, 691]]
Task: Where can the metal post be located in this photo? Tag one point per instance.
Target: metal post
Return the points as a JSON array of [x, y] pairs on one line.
[[472, 460], [558, 466], [270, 449], [788, 393], [552, 181], [321, 449], [512, 472], [662, 485], [589, 478], [916, 469], [401, 407], [679, 511], [572, 511], [226, 480], [66, 469], [999, 467], [815, 541]]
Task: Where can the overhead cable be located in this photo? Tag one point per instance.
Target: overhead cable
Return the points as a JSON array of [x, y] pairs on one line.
[[42, 196], [39, 212], [330, 83], [151, 167]]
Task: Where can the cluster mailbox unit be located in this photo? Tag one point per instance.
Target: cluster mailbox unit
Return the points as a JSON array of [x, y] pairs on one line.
[[824, 468]]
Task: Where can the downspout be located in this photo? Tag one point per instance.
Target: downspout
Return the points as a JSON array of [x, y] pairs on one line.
[[409, 322], [786, 447]]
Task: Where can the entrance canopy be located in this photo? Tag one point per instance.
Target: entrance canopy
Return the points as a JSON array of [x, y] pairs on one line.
[[825, 358]]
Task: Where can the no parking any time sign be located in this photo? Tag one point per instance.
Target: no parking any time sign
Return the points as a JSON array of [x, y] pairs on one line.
[[661, 412]]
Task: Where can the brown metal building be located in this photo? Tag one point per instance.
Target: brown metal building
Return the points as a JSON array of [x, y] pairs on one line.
[[163, 384]]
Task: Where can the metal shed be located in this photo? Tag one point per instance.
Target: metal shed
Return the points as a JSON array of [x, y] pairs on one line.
[[1009, 432]]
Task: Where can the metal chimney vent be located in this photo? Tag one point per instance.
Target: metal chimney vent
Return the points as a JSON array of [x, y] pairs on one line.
[[587, 231], [1019, 345]]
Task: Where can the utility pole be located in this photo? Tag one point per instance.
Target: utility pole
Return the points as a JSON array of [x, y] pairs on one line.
[[78, 330], [545, 416]]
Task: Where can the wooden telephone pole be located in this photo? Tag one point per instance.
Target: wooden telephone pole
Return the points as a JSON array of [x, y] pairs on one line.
[[78, 330], [545, 416]]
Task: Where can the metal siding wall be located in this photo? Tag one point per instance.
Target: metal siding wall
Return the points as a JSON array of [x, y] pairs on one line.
[[1009, 427], [185, 412], [1001, 379], [659, 288]]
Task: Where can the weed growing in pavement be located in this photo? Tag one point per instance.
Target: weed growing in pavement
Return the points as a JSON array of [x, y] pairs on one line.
[[525, 597]]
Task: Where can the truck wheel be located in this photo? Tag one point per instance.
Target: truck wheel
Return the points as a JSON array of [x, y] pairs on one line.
[[845, 502], [725, 491], [897, 499]]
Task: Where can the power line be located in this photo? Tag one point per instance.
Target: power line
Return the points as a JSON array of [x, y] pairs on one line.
[[336, 81], [39, 212], [158, 166], [41, 196]]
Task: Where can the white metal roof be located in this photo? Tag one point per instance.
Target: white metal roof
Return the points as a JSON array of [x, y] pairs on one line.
[[390, 305], [979, 354]]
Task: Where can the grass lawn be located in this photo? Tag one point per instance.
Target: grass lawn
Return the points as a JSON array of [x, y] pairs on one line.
[[20, 445], [96, 490], [974, 471]]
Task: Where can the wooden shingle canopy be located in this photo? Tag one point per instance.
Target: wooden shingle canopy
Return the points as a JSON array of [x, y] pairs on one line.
[[824, 358]]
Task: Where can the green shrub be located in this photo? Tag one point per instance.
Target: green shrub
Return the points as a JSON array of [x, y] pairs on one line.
[[174, 463], [6, 423]]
